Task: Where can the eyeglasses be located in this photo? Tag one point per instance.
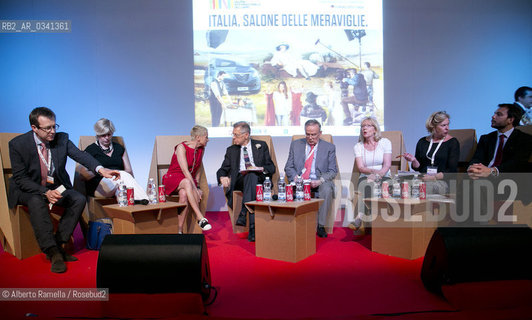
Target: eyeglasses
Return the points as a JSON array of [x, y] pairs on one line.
[[312, 135], [50, 128], [238, 134]]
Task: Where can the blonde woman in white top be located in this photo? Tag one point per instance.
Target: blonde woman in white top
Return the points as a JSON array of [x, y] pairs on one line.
[[373, 158]]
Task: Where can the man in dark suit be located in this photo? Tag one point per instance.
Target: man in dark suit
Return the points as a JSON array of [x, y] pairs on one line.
[[247, 162], [523, 100], [314, 159], [39, 181], [503, 150]]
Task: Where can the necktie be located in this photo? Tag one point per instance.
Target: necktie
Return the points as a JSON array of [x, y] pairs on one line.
[[44, 168], [308, 163], [247, 163], [498, 155]]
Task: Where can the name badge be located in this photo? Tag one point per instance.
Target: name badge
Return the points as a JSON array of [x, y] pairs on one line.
[[432, 171], [50, 179]]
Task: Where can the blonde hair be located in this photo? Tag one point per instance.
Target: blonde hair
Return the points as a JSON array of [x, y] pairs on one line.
[[104, 126], [435, 119], [198, 131], [375, 125]]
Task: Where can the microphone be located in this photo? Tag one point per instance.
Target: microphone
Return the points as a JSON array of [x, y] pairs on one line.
[[143, 201], [275, 197]]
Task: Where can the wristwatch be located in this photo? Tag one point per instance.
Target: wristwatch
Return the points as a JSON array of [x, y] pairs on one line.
[[494, 171]]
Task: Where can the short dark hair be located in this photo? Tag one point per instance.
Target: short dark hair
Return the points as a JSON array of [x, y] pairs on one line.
[[40, 111], [521, 92], [220, 73], [513, 112], [313, 122], [244, 127]]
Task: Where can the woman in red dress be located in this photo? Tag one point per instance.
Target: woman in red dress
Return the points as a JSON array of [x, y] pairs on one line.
[[269, 116], [183, 175], [297, 106]]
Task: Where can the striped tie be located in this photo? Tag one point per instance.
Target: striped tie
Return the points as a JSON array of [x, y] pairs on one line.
[[247, 163], [44, 168]]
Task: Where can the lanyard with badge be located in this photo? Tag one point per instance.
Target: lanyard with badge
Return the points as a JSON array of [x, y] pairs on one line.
[[49, 165], [432, 170], [312, 150]]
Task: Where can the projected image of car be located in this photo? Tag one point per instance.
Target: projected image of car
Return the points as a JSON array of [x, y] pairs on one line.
[[240, 78]]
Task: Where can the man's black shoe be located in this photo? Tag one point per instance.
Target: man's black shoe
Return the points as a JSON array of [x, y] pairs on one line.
[[321, 232], [251, 237], [241, 221], [56, 258], [66, 256]]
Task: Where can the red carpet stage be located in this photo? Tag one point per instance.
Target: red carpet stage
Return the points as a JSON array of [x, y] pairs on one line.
[[343, 280]]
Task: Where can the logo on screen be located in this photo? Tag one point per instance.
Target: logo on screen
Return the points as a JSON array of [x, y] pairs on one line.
[[221, 4]]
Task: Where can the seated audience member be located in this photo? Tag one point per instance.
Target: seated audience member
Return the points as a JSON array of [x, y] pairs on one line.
[[38, 159], [436, 154], [312, 109], [247, 162], [373, 157], [112, 155], [183, 175], [503, 150], [314, 159], [523, 99]]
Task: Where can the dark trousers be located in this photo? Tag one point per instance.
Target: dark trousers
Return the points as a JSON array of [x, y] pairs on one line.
[[72, 201], [216, 111], [248, 185]]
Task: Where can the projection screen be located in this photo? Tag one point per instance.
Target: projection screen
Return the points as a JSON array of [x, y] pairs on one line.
[[278, 63]]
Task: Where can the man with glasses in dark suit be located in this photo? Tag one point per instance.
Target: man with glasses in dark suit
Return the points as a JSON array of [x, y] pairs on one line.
[[247, 162], [40, 181]]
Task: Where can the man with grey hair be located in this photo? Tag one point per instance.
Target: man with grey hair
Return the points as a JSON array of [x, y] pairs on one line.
[[314, 159], [247, 162]]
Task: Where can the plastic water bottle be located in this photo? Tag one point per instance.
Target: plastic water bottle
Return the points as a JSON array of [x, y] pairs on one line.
[[122, 194], [152, 191], [299, 188], [267, 189], [415, 187], [282, 189], [377, 191], [396, 187]]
